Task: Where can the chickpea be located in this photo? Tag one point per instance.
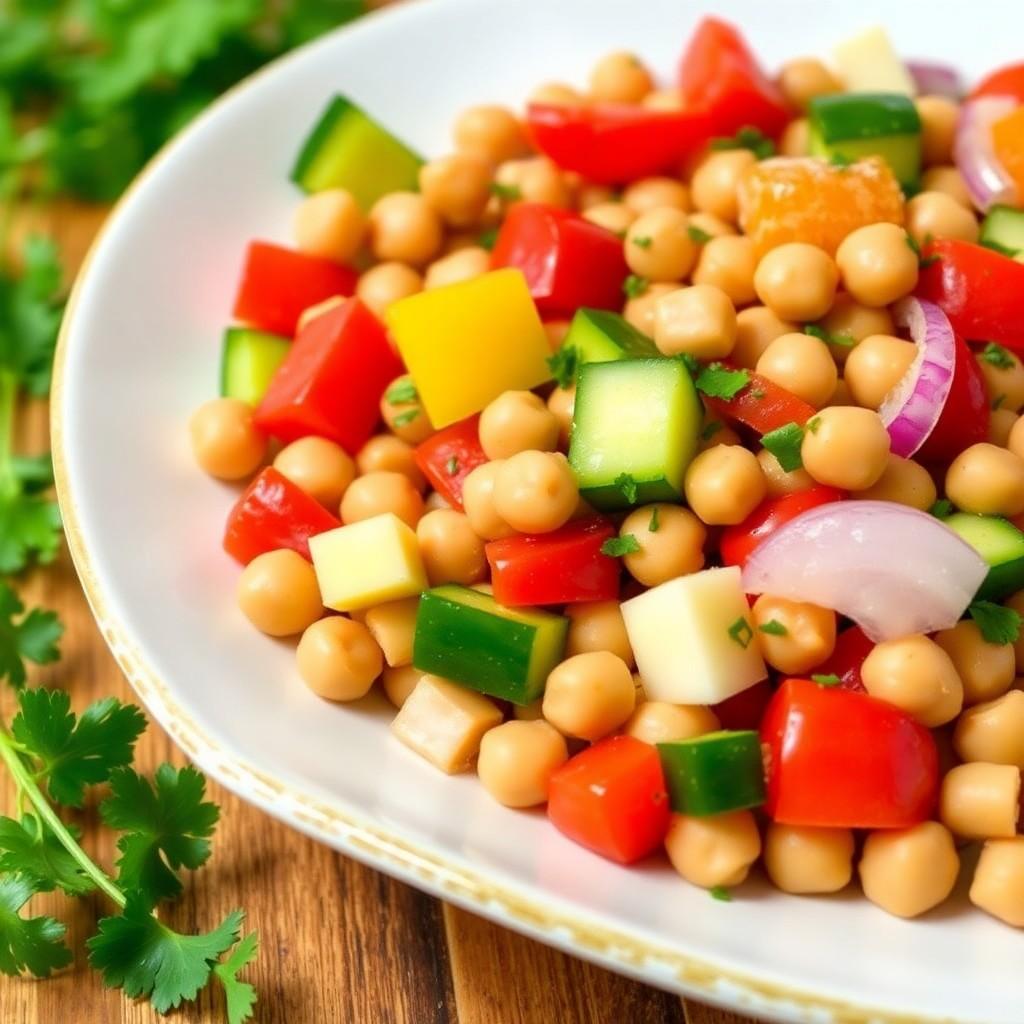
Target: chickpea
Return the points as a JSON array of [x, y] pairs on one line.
[[393, 455], [655, 722], [458, 187], [225, 441], [949, 180], [557, 94], [875, 366], [1000, 428], [998, 885], [329, 224], [538, 181], [909, 871], [986, 670], [674, 548], [724, 485], [339, 659], [382, 491], [404, 227], [598, 626], [589, 695], [797, 281], [478, 501], [385, 283], [938, 127], [981, 801], [777, 480], [714, 433], [589, 194], [915, 674], [801, 859], [807, 639], [450, 548], [846, 447], [939, 215], [492, 132], [613, 217], [655, 193], [561, 403], [802, 365], [796, 138], [708, 224], [320, 467], [658, 246], [310, 313], [728, 263], [517, 760], [1004, 378], [713, 851], [402, 411], [715, 184], [993, 731], [393, 626], [987, 480], [399, 682], [620, 78], [804, 78], [462, 265], [905, 482], [699, 320], [853, 322], [756, 328], [535, 492], [278, 593], [517, 421], [640, 311], [877, 264]]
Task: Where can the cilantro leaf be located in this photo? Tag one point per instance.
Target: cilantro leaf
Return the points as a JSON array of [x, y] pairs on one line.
[[487, 238], [942, 509], [698, 235], [401, 392], [784, 443], [747, 138], [33, 472], [32, 943], [29, 528], [34, 851], [563, 365], [33, 638], [240, 996], [912, 244], [997, 356], [642, 241], [718, 381], [75, 753], [711, 428], [138, 953], [627, 544], [627, 485], [826, 680], [740, 632], [773, 628], [405, 417], [166, 827], [720, 893], [634, 286], [653, 526], [998, 625], [819, 332], [508, 192]]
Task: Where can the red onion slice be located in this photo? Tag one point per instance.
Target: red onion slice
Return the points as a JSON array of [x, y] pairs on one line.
[[934, 79], [985, 177], [890, 568], [911, 410]]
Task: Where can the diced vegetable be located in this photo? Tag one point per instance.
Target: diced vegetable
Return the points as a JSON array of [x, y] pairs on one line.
[[444, 723], [447, 457], [1001, 544], [611, 799], [367, 562], [762, 405], [849, 654], [331, 382], [1003, 230], [598, 336], [840, 759], [635, 429], [465, 635], [988, 180], [562, 567], [277, 284], [714, 773], [273, 513], [467, 343], [248, 362], [867, 62], [932, 78], [692, 638], [1007, 81], [1008, 144], [348, 149]]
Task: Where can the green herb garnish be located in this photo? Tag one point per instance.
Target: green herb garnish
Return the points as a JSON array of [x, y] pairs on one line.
[[998, 401], [784, 443], [711, 428], [627, 486], [826, 680], [819, 332], [998, 625], [487, 238], [642, 241], [997, 356], [942, 509], [773, 628], [814, 424], [510, 193], [718, 381], [747, 138], [635, 286], [452, 466], [741, 633], [405, 417], [653, 525], [627, 544], [402, 393], [563, 365], [720, 893], [698, 235]]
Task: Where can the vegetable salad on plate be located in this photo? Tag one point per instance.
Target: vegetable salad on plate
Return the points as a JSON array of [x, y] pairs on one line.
[[657, 453]]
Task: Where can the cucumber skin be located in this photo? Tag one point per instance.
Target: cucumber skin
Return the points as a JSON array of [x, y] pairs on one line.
[[1004, 578], [600, 336], [1004, 226], [843, 117], [235, 336]]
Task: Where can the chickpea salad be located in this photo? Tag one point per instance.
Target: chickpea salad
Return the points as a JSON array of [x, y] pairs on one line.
[[658, 454]]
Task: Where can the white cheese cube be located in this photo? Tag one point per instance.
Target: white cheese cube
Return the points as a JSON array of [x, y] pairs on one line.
[[693, 638], [868, 63]]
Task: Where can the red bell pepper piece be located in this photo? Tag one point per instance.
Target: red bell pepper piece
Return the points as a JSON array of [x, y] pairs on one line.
[[979, 289], [851, 649], [611, 798], [744, 710], [1008, 81], [613, 143], [332, 379], [561, 567], [964, 418], [449, 456], [719, 77], [841, 759], [278, 284], [567, 261], [762, 405], [739, 541], [273, 513]]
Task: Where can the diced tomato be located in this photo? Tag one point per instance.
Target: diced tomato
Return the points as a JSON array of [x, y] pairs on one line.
[[719, 77], [449, 456], [1008, 81], [273, 513], [851, 649], [561, 567], [841, 759], [278, 284], [738, 542], [611, 798], [964, 418], [332, 379], [762, 405], [567, 261], [744, 710]]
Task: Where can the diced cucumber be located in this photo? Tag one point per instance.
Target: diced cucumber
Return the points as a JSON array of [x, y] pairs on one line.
[[634, 431], [599, 336], [714, 773], [349, 149], [1001, 544], [1003, 230], [850, 126], [248, 360]]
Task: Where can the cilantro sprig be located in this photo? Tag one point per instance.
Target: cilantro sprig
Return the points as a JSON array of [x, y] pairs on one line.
[[998, 624], [747, 138]]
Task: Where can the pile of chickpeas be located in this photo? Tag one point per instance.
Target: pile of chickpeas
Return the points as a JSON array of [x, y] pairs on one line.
[[713, 300]]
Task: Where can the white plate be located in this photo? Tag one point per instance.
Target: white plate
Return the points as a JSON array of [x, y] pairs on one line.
[[140, 350]]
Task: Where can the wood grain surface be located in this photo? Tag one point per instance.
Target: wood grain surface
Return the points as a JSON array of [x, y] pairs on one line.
[[341, 943]]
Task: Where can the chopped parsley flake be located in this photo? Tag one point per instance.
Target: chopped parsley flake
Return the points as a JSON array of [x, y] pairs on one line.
[[452, 466], [698, 235], [997, 356], [718, 381], [405, 417], [741, 633], [942, 509], [819, 332], [998, 401], [720, 893], [627, 485], [912, 243], [784, 443], [711, 428], [813, 424], [773, 628], [747, 138], [998, 625], [509, 192], [487, 238], [634, 286], [564, 364], [402, 392], [840, 161], [642, 241], [652, 526], [627, 544], [830, 680]]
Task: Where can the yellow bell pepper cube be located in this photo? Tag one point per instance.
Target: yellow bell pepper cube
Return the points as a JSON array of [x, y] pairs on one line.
[[466, 343], [367, 563]]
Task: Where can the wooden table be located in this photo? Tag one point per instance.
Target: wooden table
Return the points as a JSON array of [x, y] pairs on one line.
[[341, 943]]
